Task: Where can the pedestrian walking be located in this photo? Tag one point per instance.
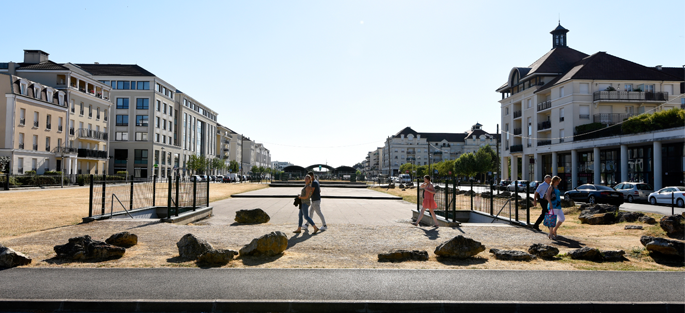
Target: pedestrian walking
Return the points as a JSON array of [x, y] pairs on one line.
[[305, 198], [540, 196], [428, 201], [316, 203], [554, 198]]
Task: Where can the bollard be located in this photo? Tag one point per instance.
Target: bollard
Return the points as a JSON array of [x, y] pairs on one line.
[[516, 204], [154, 188], [104, 185], [527, 201], [177, 186], [90, 203]]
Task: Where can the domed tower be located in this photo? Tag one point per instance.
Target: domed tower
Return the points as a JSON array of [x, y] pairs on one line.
[[559, 36]]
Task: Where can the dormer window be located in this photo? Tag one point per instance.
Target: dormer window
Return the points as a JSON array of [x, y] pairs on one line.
[[49, 93], [36, 91]]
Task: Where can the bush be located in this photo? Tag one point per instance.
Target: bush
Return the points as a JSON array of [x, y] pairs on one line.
[[656, 121], [52, 173], [586, 128], [30, 173]]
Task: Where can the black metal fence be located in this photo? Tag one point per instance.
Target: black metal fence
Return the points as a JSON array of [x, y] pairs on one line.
[[115, 196], [512, 206]]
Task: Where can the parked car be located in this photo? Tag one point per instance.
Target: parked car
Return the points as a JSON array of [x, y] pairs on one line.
[[219, 178], [195, 178], [667, 194], [534, 185], [519, 184], [405, 178], [204, 177], [634, 191], [595, 194], [226, 179], [504, 183]]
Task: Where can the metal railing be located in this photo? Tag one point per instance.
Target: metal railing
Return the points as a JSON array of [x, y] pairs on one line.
[[22, 121], [544, 142], [88, 153], [544, 125], [48, 126], [65, 150], [544, 105], [47, 148], [561, 119], [59, 128], [517, 114], [517, 131], [629, 96], [35, 123], [93, 134], [516, 148], [35, 147], [611, 118], [21, 146], [71, 131], [585, 116]]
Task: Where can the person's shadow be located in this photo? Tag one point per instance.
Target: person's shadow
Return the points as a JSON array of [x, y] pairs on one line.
[[303, 236], [432, 233], [568, 242]]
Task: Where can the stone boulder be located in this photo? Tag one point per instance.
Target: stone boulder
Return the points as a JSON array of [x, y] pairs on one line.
[[84, 248], [254, 216], [270, 244], [191, 247], [647, 220], [512, 255], [590, 254], [459, 247], [522, 203], [10, 258], [663, 246], [629, 216], [633, 227], [217, 257], [673, 225], [613, 255], [567, 203], [543, 251], [403, 255], [123, 239], [598, 214]]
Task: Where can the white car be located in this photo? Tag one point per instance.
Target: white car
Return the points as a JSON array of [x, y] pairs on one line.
[[667, 194], [520, 185]]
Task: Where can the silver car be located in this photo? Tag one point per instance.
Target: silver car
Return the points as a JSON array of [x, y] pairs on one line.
[[634, 191]]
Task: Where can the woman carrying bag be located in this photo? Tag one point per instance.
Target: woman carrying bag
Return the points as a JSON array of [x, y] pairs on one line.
[[555, 215]]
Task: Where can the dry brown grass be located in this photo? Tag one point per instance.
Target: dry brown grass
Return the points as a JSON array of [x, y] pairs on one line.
[[28, 211], [408, 195]]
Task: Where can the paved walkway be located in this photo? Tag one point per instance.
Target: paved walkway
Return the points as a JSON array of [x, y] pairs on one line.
[[338, 211], [327, 191]]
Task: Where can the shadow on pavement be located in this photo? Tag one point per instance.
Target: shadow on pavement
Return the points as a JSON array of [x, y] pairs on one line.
[[301, 237], [254, 261], [464, 262], [432, 233], [568, 242]]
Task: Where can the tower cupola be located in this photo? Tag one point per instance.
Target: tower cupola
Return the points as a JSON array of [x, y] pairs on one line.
[[559, 36]]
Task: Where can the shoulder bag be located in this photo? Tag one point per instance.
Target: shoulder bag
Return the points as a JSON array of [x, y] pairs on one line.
[[550, 218]]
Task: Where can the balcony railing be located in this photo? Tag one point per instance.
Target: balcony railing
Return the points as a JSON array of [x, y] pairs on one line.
[[611, 118], [35, 147], [47, 148], [517, 131], [21, 170], [87, 153], [517, 114], [35, 124], [22, 121], [71, 131], [561, 140], [585, 116], [544, 125], [516, 148], [544, 143], [629, 96], [544, 105], [21, 146], [66, 150], [561, 119], [92, 134], [59, 128], [48, 126], [105, 118]]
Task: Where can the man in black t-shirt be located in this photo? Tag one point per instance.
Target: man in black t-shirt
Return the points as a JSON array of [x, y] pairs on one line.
[[316, 202]]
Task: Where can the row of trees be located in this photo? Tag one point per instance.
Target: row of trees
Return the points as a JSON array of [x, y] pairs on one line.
[[468, 165], [200, 164]]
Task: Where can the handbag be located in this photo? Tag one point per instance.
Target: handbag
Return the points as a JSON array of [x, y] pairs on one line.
[[550, 218]]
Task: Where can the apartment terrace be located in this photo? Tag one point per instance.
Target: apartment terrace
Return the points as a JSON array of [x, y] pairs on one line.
[[88, 88], [629, 96]]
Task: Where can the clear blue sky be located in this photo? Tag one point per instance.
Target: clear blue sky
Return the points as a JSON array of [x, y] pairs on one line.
[[327, 81]]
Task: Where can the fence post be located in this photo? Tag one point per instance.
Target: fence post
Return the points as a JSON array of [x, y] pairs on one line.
[[90, 203], [9, 171], [154, 189], [516, 203], [528, 204], [492, 198], [178, 178], [194, 193], [208, 193], [454, 199], [418, 195], [168, 200], [131, 199], [104, 199], [672, 203], [471, 194], [447, 198]]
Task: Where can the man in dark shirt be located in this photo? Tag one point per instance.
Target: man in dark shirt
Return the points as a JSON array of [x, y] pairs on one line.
[[316, 202]]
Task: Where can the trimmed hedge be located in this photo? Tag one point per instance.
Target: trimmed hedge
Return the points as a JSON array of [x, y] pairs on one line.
[[655, 121]]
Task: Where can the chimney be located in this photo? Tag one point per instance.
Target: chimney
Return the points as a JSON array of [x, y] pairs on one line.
[[12, 68], [658, 67], [35, 56], [97, 62]]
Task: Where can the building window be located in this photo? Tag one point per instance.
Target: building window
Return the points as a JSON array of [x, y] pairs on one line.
[[141, 136], [140, 156], [24, 88], [164, 124], [141, 120], [122, 103], [561, 135], [35, 142], [142, 103], [584, 112], [35, 119], [530, 101], [122, 120], [561, 115], [561, 92], [47, 144], [34, 164], [48, 124], [90, 110], [125, 85], [157, 121], [36, 91], [121, 136], [143, 86], [165, 108], [164, 139], [157, 139]]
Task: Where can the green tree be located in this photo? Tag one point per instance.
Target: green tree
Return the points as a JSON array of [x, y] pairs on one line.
[[233, 166], [483, 161], [254, 169], [197, 164], [217, 164]]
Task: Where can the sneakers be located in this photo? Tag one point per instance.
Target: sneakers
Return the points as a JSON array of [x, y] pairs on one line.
[[305, 226], [323, 227]]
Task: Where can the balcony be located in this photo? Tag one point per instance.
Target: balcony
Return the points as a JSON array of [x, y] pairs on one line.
[[47, 148], [21, 146], [544, 143], [611, 118], [629, 96], [544, 125], [544, 105], [517, 131], [86, 133], [87, 153], [22, 121], [517, 114], [71, 131], [35, 147], [64, 150], [516, 148], [59, 128], [48, 126], [35, 124]]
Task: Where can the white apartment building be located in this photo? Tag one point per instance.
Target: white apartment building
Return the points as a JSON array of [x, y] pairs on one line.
[[279, 166], [543, 104], [262, 156], [410, 146], [197, 130], [223, 142]]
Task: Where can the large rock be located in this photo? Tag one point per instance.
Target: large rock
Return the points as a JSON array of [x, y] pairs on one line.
[[511, 255], [673, 225], [217, 257], [567, 203], [270, 244], [403, 255], [10, 258], [587, 253], [459, 247], [123, 239], [598, 214], [191, 247], [647, 219], [254, 216], [663, 246], [84, 248], [613, 255], [629, 216], [543, 251]]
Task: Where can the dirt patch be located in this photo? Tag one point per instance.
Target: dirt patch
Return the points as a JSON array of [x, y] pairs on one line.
[[23, 212]]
